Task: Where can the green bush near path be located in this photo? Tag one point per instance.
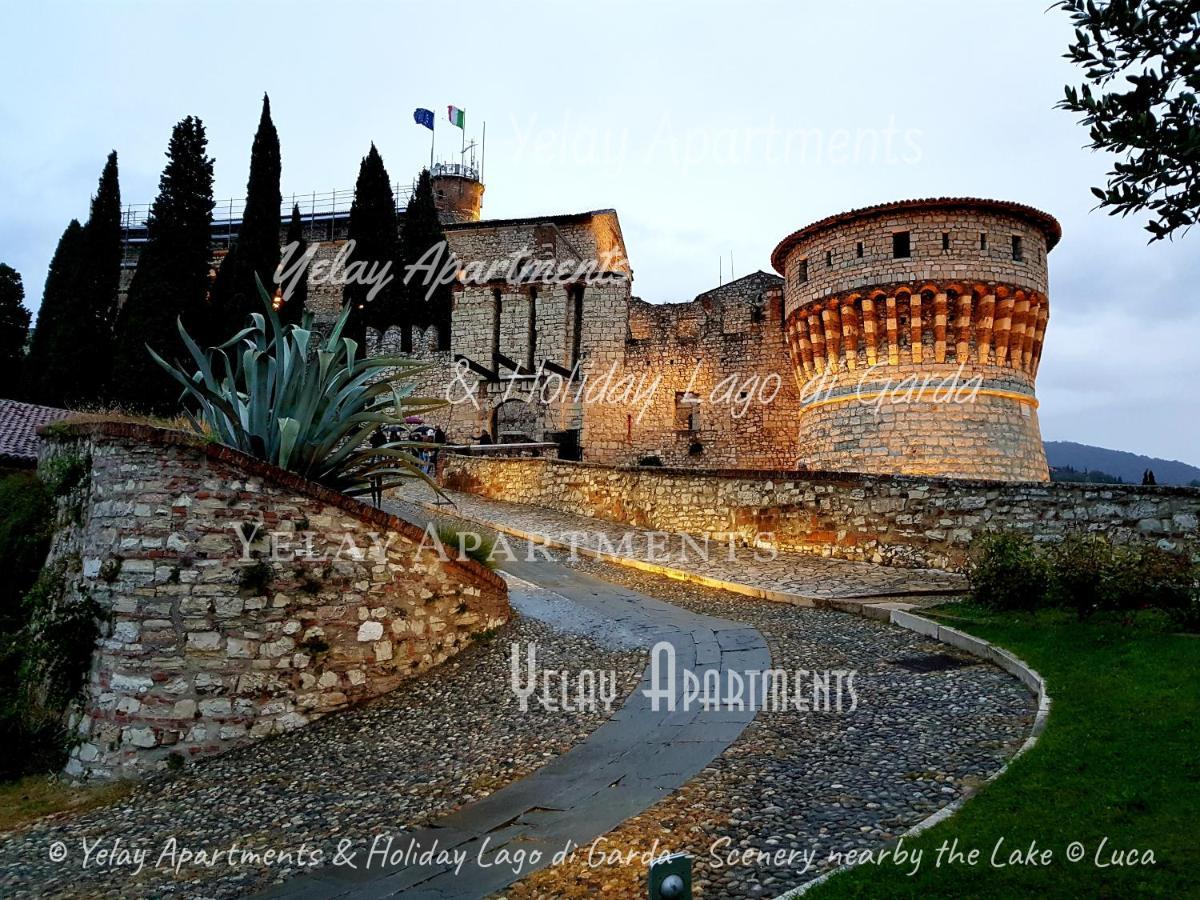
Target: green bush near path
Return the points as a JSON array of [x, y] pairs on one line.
[[1118, 763], [1085, 572]]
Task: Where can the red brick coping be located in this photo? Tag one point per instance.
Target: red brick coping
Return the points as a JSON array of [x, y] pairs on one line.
[[167, 437]]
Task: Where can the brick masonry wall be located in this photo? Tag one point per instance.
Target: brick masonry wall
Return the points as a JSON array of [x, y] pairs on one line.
[[897, 520], [192, 662]]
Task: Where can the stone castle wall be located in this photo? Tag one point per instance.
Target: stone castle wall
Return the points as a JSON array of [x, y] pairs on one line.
[[712, 387], [961, 300], [702, 384], [897, 520], [211, 643]]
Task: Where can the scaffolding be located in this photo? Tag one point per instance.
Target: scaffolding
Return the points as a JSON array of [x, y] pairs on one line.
[[315, 207]]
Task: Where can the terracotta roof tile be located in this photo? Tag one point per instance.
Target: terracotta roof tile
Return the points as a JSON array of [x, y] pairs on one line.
[[18, 429]]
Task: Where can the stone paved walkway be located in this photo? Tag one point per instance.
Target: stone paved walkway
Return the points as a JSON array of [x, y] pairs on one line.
[[775, 575], [644, 753]]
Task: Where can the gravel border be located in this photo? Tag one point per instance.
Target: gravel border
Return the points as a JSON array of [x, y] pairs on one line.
[[798, 781], [442, 740]]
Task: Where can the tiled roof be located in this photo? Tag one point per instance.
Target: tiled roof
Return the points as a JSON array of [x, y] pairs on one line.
[[18, 429], [1046, 222]]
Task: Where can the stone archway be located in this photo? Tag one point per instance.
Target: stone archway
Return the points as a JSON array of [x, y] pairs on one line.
[[517, 421]]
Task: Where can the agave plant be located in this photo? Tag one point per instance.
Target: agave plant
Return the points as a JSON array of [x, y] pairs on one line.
[[275, 392]]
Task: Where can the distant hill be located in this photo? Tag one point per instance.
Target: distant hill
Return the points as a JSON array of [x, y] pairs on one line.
[[1117, 463]]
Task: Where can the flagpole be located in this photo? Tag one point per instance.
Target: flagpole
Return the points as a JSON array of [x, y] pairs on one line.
[[432, 138], [483, 152]]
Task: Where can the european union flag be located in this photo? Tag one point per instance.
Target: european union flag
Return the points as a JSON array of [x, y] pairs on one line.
[[424, 117]]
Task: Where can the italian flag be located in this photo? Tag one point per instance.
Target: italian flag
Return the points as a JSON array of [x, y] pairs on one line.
[[458, 116]]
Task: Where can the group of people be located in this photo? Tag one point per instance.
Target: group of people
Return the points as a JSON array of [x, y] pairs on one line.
[[413, 433]]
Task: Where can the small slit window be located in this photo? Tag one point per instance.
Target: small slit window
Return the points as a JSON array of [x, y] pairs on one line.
[[859, 249], [901, 245], [945, 240], [983, 241], [802, 271], [828, 258], [1017, 250]]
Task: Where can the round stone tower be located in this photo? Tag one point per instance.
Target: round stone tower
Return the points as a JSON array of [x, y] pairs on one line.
[[915, 330], [457, 193]]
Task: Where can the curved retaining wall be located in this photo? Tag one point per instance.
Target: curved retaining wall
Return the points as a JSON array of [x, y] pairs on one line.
[[897, 520], [212, 642]]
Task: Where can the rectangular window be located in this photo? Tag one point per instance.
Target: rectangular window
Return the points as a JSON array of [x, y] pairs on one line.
[[901, 246], [860, 249], [983, 241], [828, 258], [945, 240], [802, 271], [687, 411], [1018, 250]]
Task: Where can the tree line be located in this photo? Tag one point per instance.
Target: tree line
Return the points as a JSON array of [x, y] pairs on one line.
[[89, 351]]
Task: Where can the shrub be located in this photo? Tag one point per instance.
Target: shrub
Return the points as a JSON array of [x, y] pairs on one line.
[[64, 472], [309, 409], [1091, 573], [1158, 578], [1187, 616], [47, 661], [255, 578], [1008, 571], [26, 517], [1086, 574], [456, 546]]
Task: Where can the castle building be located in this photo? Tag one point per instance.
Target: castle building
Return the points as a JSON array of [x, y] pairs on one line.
[[897, 339]]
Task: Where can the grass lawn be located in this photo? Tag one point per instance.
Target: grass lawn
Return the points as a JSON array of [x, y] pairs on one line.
[[1119, 759], [35, 796]]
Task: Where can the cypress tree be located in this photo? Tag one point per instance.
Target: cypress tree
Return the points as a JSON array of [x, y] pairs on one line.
[[171, 280], [72, 350], [372, 227], [14, 330], [426, 301], [100, 277], [256, 250], [48, 372], [295, 302]]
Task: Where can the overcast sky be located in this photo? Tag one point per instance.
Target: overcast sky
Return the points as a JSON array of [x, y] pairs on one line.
[[712, 128]]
